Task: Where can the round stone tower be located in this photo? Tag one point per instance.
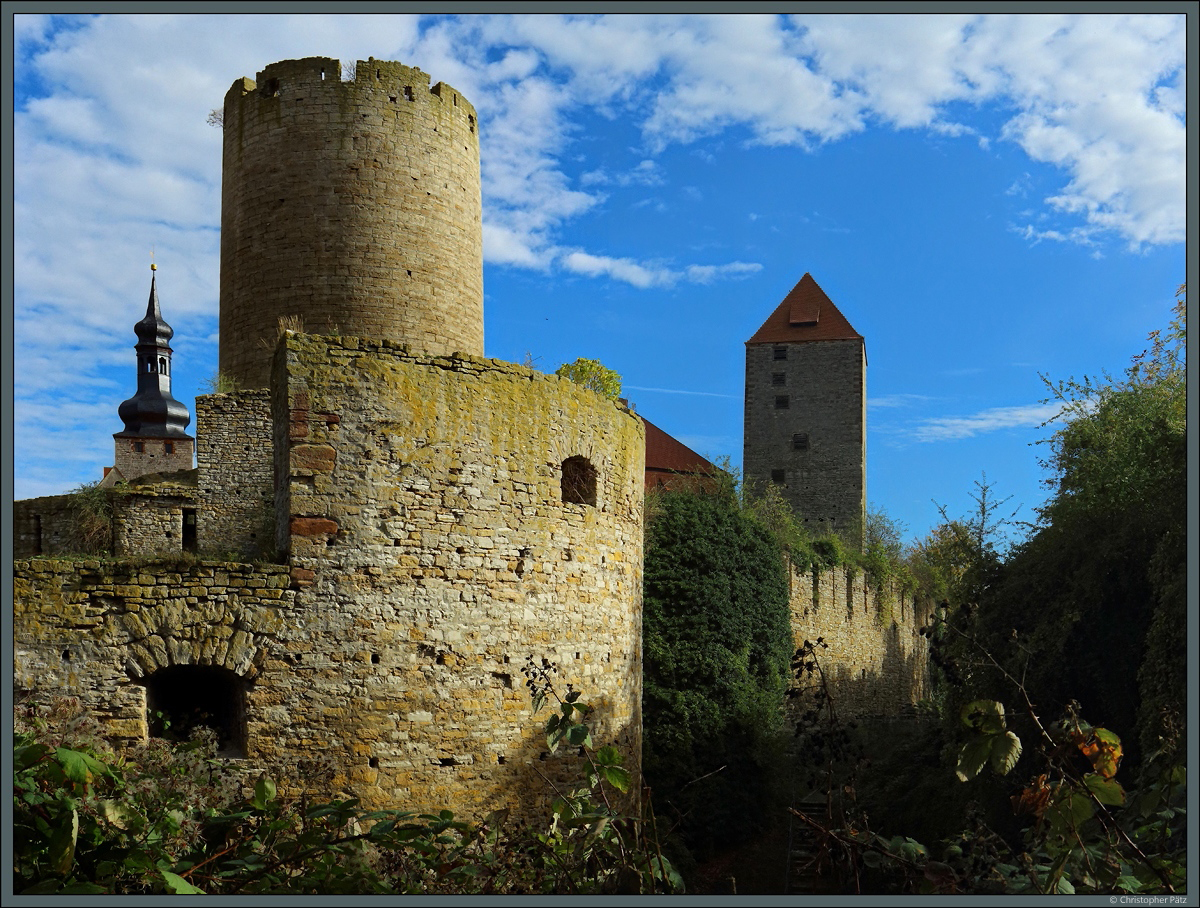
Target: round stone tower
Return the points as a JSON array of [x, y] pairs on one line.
[[352, 204]]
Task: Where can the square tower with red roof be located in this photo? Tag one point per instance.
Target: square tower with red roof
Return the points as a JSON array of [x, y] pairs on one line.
[[806, 417]]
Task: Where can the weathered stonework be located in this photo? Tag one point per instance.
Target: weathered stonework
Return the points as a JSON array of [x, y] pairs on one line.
[[877, 661], [427, 533], [144, 520], [825, 383], [236, 484], [97, 630], [354, 205], [430, 552], [136, 457]]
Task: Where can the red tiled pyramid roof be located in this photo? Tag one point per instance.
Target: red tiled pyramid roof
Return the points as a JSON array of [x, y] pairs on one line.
[[806, 314]]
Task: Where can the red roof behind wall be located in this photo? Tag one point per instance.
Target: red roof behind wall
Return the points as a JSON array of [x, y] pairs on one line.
[[668, 460]]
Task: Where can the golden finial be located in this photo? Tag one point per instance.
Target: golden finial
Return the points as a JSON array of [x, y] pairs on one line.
[[153, 267]]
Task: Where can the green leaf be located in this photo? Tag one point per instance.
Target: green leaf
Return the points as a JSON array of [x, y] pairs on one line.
[[83, 888], [1068, 813], [79, 767], [972, 757], [25, 757], [616, 776], [609, 756], [62, 845], [579, 736], [1107, 791], [1006, 750], [178, 885], [986, 716], [264, 793]]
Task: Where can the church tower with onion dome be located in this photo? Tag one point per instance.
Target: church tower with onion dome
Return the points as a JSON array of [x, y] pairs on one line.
[[154, 439]]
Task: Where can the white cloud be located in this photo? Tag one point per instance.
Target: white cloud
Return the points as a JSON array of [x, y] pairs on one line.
[[952, 428], [650, 275], [892, 401]]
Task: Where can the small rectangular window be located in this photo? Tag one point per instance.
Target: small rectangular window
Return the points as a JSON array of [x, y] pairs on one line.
[[800, 441], [778, 379], [778, 476], [168, 447], [139, 447], [781, 352], [781, 402]]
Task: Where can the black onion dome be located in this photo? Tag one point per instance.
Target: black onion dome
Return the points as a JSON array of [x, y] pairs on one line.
[[152, 329], [152, 412]]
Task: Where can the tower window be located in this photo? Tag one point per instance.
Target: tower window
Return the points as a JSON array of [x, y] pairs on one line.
[[800, 441], [781, 402], [168, 447], [781, 352], [778, 379], [162, 365], [778, 476], [578, 481], [139, 447]]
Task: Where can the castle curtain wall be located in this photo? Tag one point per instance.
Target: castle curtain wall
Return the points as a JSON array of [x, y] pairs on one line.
[[434, 553]]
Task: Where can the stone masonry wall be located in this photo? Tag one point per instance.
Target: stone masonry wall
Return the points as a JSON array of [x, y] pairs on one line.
[[143, 521], [97, 630], [428, 533], [236, 482], [157, 455], [353, 204], [825, 386], [877, 660], [45, 526], [150, 521]]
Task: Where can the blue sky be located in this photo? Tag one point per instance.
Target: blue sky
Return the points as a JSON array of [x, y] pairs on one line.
[[987, 200]]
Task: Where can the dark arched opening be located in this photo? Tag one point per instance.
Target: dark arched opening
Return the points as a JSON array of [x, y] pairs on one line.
[[182, 698], [578, 481]]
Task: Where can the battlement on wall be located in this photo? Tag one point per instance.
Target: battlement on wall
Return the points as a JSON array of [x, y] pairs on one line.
[[312, 74], [877, 661]]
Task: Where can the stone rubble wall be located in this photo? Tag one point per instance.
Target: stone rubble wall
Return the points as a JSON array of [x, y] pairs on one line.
[[146, 520], [434, 553], [96, 629], [236, 483], [877, 662], [149, 521], [825, 384], [153, 458]]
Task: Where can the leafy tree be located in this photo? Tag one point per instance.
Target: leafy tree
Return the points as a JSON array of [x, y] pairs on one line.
[[717, 647], [1074, 604], [592, 375]]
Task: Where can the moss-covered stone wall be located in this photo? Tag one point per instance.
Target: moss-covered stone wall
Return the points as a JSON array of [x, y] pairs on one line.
[[877, 660], [433, 550]]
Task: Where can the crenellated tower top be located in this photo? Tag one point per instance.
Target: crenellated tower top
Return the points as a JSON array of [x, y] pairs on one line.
[[352, 204]]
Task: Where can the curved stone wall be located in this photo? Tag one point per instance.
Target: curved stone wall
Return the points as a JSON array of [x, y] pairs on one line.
[[353, 204], [435, 551]]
